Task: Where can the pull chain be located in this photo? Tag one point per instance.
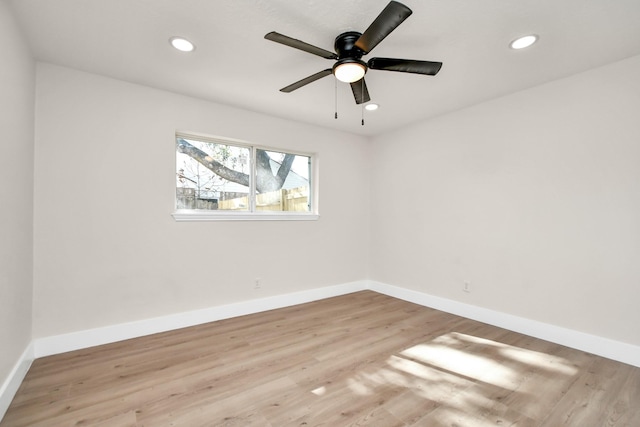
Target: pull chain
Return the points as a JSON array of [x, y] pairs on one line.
[[362, 101], [336, 97]]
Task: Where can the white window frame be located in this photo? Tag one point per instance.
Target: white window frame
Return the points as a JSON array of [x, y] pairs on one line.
[[252, 214]]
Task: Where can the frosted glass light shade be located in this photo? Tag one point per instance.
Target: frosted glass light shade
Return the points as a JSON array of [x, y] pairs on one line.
[[349, 72]]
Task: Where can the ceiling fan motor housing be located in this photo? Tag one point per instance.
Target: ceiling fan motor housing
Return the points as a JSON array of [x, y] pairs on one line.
[[345, 45]]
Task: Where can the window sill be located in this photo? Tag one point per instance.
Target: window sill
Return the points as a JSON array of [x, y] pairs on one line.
[[195, 215]]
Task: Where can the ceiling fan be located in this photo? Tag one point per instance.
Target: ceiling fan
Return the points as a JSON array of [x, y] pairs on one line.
[[351, 46]]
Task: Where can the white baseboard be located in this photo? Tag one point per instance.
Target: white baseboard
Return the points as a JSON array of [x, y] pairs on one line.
[[616, 350], [57, 344], [47, 346], [14, 379]]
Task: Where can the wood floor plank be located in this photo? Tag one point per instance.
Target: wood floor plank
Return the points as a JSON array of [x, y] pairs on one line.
[[595, 397], [362, 359]]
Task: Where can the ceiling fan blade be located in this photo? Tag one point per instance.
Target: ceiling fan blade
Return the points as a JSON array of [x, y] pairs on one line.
[[298, 44], [405, 65], [393, 15], [360, 92], [306, 80]]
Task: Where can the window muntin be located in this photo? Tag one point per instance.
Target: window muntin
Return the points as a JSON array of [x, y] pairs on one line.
[[219, 176]]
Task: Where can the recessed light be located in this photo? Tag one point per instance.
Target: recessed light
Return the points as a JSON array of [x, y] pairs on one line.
[[522, 42], [371, 107], [182, 44]]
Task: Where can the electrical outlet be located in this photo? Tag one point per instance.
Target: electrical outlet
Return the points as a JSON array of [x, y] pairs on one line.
[[466, 287], [257, 284]]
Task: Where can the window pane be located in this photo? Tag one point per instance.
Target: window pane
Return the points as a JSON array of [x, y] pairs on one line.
[[282, 182], [212, 176]]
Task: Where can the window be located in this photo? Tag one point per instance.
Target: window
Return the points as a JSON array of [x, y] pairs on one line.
[[225, 179]]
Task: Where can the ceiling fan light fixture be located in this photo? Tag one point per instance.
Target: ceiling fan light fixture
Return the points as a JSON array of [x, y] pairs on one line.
[[182, 44], [371, 106], [349, 70], [349, 49], [522, 42]]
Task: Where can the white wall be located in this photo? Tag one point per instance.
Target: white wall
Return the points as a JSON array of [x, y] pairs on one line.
[[17, 83], [534, 198], [107, 250]]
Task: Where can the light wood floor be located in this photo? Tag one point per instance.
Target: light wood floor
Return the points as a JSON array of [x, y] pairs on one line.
[[363, 359]]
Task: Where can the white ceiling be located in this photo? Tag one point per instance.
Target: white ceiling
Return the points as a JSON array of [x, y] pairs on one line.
[[233, 64]]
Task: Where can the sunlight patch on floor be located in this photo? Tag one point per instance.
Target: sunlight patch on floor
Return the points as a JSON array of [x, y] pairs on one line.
[[526, 356], [456, 372], [426, 381], [359, 386], [483, 359], [420, 371], [460, 362], [541, 360], [320, 391]]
